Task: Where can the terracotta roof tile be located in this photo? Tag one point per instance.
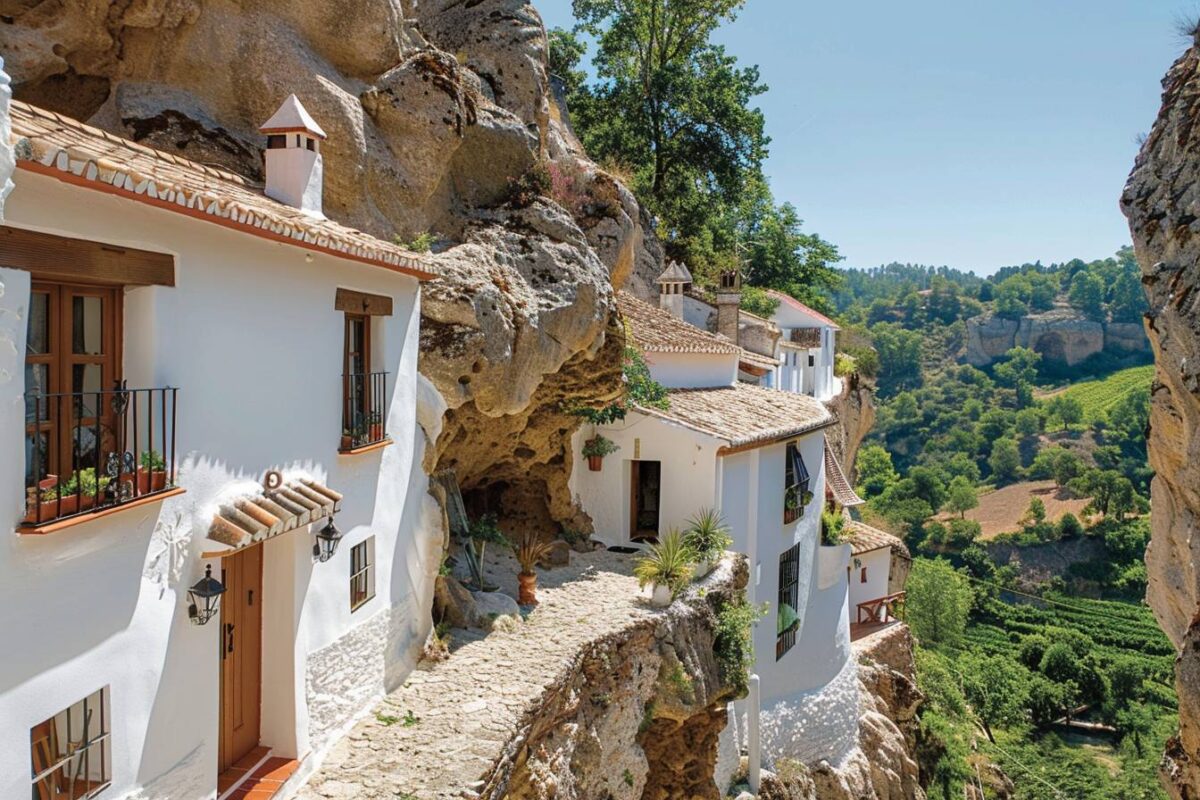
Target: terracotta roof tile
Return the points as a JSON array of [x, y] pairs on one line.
[[251, 518], [838, 485], [656, 330], [862, 538], [62, 147], [757, 359], [744, 414]]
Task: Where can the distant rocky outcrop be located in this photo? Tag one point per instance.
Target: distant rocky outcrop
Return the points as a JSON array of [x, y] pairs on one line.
[[1162, 202], [1062, 335]]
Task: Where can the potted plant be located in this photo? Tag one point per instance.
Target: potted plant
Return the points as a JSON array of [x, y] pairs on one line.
[[707, 538], [375, 426], [41, 503], [151, 473], [786, 619], [596, 448], [63, 498], [353, 433], [529, 550], [666, 569]]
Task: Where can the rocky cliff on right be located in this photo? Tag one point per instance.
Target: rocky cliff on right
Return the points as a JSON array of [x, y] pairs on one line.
[[1162, 203]]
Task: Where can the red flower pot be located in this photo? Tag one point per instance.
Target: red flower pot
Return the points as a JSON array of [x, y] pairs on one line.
[[527, 588], [595, 462]]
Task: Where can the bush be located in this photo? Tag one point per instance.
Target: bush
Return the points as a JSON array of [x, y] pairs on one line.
[[732, 644], [844, 364], [668, 563]]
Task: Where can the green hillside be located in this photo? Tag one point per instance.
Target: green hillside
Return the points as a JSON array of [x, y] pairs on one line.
[[1102, 395]]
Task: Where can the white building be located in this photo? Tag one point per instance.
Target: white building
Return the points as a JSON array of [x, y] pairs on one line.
[[806, 349], [757, 455], [180, 344]]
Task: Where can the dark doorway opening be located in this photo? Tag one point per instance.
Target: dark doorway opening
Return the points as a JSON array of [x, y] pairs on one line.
[[645, 483]]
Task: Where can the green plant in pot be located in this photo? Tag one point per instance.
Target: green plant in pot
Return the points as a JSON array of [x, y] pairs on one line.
[[596, 448], [785, 619], [666, 568], [707, 538], [152, 472]]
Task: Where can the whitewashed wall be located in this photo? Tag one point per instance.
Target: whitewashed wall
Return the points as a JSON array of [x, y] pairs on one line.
[[6, 150], [689, 474], [878, 565], [693, 370], [251, 337]]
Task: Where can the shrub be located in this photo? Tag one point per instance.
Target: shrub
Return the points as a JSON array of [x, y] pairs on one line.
[[844, 364], [732, 644], [707, 536], [525, 190], [599, 446], [668, 563]]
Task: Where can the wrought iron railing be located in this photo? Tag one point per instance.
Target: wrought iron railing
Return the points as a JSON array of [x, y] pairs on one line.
[[364, 399], [85, 451]]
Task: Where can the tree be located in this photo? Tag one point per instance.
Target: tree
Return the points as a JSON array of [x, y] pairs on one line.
[[1060, 663], [1066, 409], [1019, 371], [997, 689], [1047, 700], [928, 486], [565, 51], [1066, 467], [1005, 460], [875, 470], [1087, 294], [1028, 422], [938, 600], [1036, 513], [1069, 527], [1135, 723], [899, 356], [961, 497]]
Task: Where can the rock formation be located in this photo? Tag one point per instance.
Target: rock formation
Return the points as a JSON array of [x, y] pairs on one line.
[[434, 110], [882, 767], [1062, 335], [1162, 202]]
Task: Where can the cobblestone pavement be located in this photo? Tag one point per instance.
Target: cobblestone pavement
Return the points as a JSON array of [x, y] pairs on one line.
[[438, 734]]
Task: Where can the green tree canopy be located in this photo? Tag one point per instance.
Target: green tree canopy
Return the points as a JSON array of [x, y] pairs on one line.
[[937, 602], [961, 496]]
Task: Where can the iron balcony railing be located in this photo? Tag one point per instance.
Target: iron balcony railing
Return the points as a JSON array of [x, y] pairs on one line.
[[86, 451], [364, 397]]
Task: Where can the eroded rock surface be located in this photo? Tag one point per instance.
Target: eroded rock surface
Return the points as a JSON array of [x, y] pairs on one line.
[[1162, 202], [1062, 335]]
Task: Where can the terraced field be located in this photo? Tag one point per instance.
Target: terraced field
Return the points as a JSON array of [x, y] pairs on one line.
[[1101, 395]]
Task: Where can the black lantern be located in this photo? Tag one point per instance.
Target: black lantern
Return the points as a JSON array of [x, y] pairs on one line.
[[327, 541], [204, 599]]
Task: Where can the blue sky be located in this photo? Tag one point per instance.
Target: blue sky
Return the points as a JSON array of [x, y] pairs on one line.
[[969, 133]]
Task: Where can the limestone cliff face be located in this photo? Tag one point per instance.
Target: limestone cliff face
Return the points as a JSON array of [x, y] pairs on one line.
[[1162, 202], [883, 766], [1061, 335], [855, 410], [433, 110]]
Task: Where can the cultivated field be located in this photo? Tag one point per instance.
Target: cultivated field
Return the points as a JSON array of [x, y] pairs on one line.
[[1001, 511], [1101, 395]]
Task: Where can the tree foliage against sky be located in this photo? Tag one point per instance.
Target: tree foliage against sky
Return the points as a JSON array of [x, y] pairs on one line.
[[676, 113]]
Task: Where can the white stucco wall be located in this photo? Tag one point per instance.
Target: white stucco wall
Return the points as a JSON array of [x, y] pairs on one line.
[[688, 481], [251, 336], [6, 151], [692, 370], [877, 564]]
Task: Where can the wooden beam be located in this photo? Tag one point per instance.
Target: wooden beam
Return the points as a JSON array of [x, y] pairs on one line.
[[375, 305], [79, 259]]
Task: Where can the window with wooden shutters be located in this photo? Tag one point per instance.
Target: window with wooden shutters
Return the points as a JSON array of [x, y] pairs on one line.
[[787, 620], [796, 494]]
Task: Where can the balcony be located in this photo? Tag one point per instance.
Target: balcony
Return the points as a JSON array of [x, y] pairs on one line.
[[364, 400], [91, 452], [875, 615]]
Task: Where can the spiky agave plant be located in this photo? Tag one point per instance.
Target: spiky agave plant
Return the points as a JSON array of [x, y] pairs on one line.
[[529, 550], [668, 563], [707, 536]]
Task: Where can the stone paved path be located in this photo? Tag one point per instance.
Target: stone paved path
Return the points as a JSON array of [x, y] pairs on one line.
[[437, 736]]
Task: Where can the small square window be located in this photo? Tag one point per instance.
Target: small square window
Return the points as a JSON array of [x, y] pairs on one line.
[[362, 573], [71, 752]]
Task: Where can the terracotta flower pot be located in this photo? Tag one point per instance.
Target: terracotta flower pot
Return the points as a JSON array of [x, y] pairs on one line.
[[595, 463], [377, 432], [151, 480], [527, 583]]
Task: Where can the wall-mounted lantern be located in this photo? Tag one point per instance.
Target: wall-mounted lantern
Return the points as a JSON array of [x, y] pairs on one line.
[[857, 563], [204, 599], [327, 541]]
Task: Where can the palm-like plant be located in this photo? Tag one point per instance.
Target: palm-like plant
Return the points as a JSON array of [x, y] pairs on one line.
[[529, 550], [668, 563], [707, 536]]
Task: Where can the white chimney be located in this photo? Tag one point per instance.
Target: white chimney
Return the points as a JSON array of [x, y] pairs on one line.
[[673, 282], [294, 157]]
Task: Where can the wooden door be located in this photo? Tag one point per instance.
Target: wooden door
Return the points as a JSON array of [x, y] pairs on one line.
[[241, 655]]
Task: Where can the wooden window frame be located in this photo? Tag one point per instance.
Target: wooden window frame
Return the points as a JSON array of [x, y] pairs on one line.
[[362, 573], [61, 360]]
